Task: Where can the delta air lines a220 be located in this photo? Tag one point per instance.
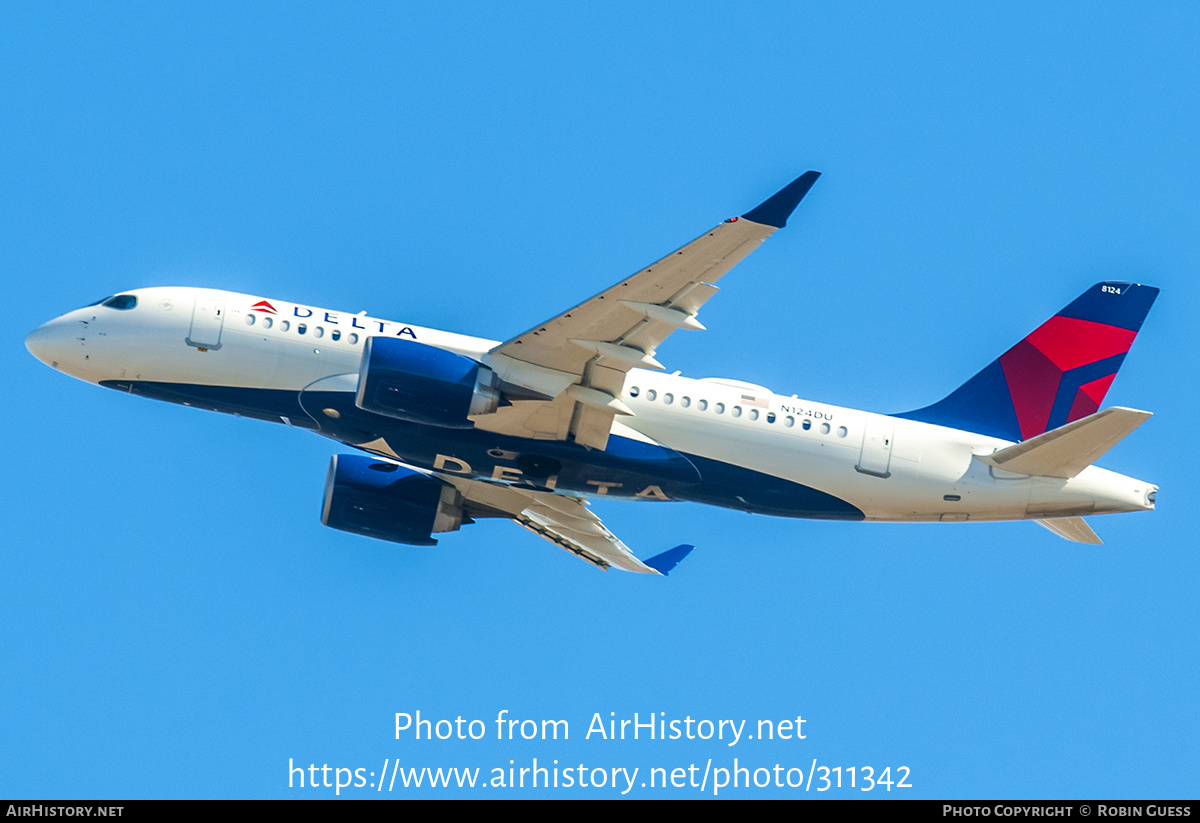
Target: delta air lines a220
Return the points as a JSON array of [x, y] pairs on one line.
[[449, 429]]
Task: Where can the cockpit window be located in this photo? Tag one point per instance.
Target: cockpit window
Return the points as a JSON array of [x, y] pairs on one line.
[[123, 302]]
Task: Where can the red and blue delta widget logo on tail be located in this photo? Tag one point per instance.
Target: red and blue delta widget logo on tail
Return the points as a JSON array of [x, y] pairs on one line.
[[1056, 375]]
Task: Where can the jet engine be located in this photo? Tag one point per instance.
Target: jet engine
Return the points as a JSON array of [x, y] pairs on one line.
[[379, 499], [424, 384]]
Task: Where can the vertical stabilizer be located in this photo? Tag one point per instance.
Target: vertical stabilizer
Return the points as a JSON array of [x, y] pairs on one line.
[[1056, 375]]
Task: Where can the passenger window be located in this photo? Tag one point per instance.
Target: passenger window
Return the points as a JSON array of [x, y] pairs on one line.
[[336, 334], [634, 391], [702, 404]]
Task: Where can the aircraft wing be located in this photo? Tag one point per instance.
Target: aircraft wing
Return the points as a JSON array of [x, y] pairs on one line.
[[573, 366], [565, 521]]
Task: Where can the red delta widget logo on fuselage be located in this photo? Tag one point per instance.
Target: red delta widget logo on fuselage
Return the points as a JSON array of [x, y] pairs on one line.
[[448, 429]]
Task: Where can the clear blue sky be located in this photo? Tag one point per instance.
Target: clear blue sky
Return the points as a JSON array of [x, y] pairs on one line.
[[174, 620]]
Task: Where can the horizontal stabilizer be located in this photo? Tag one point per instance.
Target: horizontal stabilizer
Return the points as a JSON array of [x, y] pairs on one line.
[[1074, 529], [1069, 449], [666, 562]]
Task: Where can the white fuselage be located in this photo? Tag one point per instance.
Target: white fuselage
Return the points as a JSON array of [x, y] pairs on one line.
[[890, 468]]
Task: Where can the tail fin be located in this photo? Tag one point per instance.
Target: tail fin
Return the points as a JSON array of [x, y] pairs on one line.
[[1058, 374]]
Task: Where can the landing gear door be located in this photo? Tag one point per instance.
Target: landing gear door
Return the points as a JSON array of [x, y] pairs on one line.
[[876, 454], [208, 317]]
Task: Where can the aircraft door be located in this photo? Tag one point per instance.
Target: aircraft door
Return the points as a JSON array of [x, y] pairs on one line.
[[208, 318], [876, 454]]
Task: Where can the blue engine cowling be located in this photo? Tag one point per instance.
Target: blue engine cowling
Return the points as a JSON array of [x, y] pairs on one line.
[[423, 384], [379, 499]]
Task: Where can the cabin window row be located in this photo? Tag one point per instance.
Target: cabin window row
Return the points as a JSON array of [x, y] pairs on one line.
[[301, 328], [669, 398]]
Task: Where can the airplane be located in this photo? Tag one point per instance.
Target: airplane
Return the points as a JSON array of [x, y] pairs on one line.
[[450, 429]]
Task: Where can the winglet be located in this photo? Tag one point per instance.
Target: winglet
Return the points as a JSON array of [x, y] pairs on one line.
[[664, 563], [775, 210]]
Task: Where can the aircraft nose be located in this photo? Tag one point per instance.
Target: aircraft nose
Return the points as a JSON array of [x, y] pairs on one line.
[[50, 342]]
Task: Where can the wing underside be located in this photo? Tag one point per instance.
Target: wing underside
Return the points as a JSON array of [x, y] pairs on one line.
[[565, 521], [573, 366]]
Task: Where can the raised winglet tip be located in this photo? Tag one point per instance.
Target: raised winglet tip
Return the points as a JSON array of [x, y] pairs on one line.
[[665, 563], [776, 209]]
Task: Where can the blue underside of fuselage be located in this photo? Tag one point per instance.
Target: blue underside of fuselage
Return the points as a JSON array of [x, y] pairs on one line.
[[626, 469]]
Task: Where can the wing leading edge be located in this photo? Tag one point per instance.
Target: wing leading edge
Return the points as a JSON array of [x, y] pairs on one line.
[[575, 364]]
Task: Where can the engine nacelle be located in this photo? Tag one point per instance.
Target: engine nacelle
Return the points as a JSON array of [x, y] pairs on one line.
[[423, 384], [379, 499]]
